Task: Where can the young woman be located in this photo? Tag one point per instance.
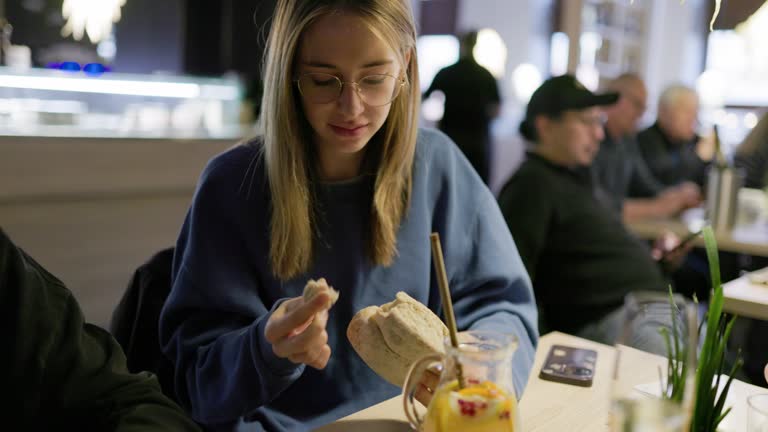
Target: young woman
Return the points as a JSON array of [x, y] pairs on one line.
[[341, 184]]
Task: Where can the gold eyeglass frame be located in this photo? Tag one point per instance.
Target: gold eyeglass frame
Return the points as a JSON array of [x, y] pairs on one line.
[[399, 84]]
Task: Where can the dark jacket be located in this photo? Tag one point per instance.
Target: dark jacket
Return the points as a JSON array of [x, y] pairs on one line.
[[671, 162], [580, 257], [62, 373], [135, 321], [620, 172], [752, 155]]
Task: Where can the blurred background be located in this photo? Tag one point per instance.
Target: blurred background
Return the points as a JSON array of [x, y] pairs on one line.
[[109, 109]]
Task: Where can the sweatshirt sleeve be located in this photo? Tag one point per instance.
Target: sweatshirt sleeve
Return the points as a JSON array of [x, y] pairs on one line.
[[490, 288], [212, 325]]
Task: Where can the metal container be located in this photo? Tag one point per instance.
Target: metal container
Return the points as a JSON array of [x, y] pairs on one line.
[[723, 184]]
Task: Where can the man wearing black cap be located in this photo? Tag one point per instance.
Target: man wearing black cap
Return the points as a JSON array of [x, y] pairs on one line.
[[581, 259]]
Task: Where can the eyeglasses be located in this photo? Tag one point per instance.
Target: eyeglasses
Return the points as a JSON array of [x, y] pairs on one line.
[[592, 120], [374, 90]]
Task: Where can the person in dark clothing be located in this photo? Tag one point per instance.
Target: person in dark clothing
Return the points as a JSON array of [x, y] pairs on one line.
[[134, 323], [581, 259], [670, 147], [752, 155], [62, 373], [752, 158], [620, 171], [471, 102]]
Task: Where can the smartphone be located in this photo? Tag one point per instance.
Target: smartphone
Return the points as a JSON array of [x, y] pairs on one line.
[[683, 242], [569, 365]]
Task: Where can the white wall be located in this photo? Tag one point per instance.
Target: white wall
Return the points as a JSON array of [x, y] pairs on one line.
[[92, 210], [676, 46], [416, 6]]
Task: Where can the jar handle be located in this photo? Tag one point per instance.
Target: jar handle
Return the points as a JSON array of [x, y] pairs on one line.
[[411, 381]]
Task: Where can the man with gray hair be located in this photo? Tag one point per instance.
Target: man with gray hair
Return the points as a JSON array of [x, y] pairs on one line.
[[675, 154], [671, 148]]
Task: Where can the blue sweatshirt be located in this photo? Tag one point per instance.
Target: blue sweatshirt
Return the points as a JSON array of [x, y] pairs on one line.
[[212, 325]]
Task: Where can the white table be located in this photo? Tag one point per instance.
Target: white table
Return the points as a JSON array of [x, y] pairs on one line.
[[745, 297], [749, 235], [750, 238], [549, 406]]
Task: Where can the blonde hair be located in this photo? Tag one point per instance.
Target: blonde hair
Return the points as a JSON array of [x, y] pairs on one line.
[[286, 134]]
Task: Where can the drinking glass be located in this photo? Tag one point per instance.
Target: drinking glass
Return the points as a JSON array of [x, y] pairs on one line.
[[654, 392], [475, 393], [757, 413]]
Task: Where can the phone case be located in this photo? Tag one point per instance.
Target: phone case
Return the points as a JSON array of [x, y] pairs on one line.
[[569, 365]]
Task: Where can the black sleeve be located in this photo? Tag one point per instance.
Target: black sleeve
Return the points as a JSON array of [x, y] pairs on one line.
[[695, 167], [527, 209], [437, 83], [647, 149], [752, 155], [91, 377], [493, 89], [755, 166], [69, 374], [642, 182]]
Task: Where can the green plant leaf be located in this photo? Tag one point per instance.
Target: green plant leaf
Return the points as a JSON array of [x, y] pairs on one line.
[[708, 404], [705, 372]]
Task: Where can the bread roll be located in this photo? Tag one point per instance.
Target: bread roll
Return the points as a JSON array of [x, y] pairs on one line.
[[314, 287], [391, 337]]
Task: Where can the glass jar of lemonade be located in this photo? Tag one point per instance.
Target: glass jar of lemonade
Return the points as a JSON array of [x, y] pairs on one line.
[[475, 393]]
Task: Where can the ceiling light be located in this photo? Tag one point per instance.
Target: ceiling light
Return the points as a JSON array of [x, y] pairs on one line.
[[94, 17]]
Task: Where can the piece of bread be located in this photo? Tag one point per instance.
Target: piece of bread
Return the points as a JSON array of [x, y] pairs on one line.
[[391, 337], [314, 287]]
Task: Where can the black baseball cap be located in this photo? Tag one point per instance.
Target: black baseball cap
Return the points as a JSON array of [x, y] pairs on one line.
[[557, 95]]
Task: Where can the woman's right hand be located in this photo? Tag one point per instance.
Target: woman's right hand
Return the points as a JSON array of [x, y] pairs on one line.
[[296, 331]]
